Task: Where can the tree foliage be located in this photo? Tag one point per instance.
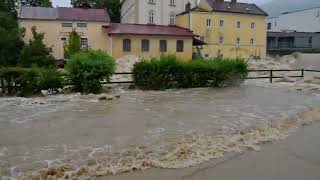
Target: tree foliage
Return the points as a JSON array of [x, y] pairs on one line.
[[8, 6], [11, 41], [113, 6], [86, 69], [37, 3], [73, 45], [36, 53]]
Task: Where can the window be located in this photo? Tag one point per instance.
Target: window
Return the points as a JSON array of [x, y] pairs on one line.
[[221, 23], [151, 17], [163, 46], [145, 45], [172, 2], [66, 24], [310, 40], [126, 45], [269, 25], [219, 54], [64, 40], [209, 23], [253, 25], [180, 45], [221, 40], [172, 18], [83, 25], [152, 1], [238, 24], [84, 43], [251, 41], [206, 55], [238, 41]]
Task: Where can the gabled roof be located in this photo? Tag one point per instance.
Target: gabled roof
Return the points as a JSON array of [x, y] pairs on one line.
[[231, 7], [63, 13], [146, 29]]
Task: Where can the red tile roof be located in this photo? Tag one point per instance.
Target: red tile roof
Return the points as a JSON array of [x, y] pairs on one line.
[[83, 14], [147, 29], [61, 13], [230, 7]]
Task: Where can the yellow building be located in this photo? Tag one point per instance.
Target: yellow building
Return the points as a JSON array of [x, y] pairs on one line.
[[230, 29], [149, 40], [96, 31]]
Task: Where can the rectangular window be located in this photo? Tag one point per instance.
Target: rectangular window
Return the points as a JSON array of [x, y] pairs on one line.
[[238, 41], [221, 40], [221, 23], [253, 25], [238, 24], [163, 46], [82, 25], [251, 41], [145, 45], [180, 45], [64, 39], [126, 45], [172, 2], [66, 24], [209, 23], [84, 42], [269, 26]]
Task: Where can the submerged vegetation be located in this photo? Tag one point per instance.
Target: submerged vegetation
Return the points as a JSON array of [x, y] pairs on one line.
[[29, 81], [169, 72]]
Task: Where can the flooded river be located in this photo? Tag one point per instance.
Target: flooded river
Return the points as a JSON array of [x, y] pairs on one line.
[[144, 127]]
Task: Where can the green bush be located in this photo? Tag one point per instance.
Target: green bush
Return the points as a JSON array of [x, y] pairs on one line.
[[29, 81], [169, 72], [87, 69]]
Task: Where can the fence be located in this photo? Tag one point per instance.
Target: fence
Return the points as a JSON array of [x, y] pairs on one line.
[[270, 77]]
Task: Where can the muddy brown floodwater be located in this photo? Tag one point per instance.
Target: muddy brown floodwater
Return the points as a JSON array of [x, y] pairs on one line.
[[141, 129]]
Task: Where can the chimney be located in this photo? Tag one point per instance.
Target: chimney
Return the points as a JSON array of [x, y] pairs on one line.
[[188, 7], [233, 1]]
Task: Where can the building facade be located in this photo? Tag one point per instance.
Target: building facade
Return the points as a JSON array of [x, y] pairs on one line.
[[57, 23], [230, 29], [159, 12], [149, 40], [297, 31], [96, 31]]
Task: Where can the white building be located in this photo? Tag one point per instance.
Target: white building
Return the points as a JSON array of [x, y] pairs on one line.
[[160, 12], [300, 21]]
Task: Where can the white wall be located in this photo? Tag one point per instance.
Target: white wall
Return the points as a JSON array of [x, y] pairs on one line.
[[301, 21], [139, 14]]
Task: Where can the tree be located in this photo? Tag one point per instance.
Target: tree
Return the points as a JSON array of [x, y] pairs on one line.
[[113, 7], [11, 41], [8, 6], [36, 53], [74, 44], [37, 3]]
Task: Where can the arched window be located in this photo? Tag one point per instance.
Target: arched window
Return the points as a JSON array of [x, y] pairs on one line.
[[172, 18], [126, 45], [151, 17]]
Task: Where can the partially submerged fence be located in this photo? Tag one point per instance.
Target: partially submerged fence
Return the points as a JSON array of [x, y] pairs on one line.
[[271, 75]]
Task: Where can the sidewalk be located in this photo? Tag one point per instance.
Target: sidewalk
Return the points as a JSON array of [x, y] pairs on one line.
[[297, 158]]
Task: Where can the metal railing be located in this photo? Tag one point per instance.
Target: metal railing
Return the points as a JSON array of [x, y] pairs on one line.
[[271, 75]]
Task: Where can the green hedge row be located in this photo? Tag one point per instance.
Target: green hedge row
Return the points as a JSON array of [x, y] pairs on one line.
[[29, 81], [169, 72]]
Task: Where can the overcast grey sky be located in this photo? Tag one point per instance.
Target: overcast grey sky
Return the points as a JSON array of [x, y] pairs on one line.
[[65, 3]]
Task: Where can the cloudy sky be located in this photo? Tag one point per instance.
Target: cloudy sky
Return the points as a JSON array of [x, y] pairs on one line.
[[65, 3]]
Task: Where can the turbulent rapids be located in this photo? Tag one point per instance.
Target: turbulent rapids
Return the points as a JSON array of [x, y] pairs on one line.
[[68, 136]]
